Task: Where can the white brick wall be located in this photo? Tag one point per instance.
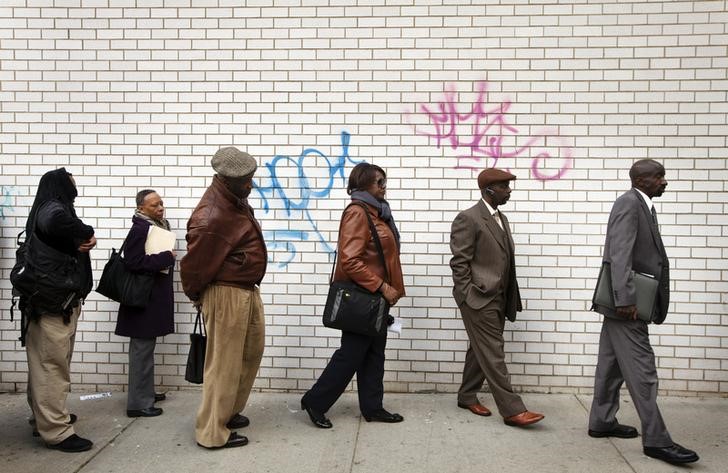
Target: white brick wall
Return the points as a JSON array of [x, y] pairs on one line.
[[130, 94]]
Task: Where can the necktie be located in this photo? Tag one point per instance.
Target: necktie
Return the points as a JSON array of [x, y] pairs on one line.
[[499, 221], [654, 219]]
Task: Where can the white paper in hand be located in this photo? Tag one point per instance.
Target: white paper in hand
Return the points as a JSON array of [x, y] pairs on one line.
[[396, 326], [159, 240]]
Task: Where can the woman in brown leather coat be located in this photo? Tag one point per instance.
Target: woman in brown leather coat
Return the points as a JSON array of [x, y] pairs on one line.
[[359, 261]]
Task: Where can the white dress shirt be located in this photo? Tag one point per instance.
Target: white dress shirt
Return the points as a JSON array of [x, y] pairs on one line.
[[495, 214]]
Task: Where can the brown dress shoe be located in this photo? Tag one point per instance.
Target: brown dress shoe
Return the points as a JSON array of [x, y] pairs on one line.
[[522, 419], [478, 409]]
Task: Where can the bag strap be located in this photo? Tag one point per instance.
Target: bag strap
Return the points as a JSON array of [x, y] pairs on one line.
[[377, 242], [123, 244], [333, 268], [199, 323]]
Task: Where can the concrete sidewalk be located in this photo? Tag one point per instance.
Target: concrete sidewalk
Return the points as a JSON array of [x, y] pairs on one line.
[[436, 437]]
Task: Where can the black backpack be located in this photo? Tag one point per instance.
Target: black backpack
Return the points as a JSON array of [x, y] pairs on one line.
[[44, 280]]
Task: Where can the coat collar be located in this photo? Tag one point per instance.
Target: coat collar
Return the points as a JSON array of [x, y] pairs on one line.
[[236, 201], [654, 231], [492, 225]]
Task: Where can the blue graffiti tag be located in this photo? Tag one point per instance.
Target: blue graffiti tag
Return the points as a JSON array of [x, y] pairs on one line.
[[304, 186], [6, 201]]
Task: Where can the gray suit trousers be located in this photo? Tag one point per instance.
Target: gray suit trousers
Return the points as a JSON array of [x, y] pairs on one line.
[[141, 373], [485, 358], [625, 355]]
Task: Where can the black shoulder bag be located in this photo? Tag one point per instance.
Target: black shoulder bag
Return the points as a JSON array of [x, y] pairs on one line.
[[352, 308], [196, 358], [120, 284]]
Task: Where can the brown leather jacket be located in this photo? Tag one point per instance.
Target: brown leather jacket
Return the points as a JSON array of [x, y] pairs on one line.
[[224, 244], [358, 259]]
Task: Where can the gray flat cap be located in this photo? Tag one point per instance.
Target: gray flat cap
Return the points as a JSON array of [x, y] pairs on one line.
[[231, 162]]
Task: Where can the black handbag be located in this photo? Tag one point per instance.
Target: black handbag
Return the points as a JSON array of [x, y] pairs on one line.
[[196, 358], [352, 308], [120, 284]]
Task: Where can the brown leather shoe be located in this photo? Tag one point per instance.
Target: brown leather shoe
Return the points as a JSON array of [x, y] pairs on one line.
[[523, 419], [478, 409]]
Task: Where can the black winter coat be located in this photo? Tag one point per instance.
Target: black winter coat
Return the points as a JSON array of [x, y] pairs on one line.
[[58, 227], [157, 318]]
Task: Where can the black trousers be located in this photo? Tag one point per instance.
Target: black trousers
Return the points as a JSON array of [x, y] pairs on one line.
[[358, 354]]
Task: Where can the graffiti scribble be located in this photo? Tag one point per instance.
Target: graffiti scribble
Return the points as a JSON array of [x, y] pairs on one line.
[[311, 176], [6, 201], [484, 133]]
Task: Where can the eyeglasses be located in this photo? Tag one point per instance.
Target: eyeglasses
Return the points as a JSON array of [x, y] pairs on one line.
[[382, 182]]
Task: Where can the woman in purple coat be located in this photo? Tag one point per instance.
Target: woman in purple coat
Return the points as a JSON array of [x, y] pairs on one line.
[[143, 326]]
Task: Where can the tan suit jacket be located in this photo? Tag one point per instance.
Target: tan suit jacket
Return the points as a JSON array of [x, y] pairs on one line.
[[483, 262]]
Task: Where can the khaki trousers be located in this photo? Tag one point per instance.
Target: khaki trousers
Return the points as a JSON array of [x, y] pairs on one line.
[[49, 347], [235, 327]]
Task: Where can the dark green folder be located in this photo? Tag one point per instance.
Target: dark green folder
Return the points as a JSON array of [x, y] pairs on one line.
[[645, 289]]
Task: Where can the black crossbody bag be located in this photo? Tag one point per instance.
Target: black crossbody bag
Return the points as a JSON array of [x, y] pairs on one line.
[[352, 308]]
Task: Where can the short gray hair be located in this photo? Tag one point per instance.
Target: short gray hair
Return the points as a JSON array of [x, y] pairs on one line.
[[142, 194]]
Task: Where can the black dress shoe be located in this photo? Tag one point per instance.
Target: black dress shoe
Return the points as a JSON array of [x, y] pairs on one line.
[[148, 412], [233, 441], [159, 397], [73, 420], [383, 416], [72, 444], [318, 419], [675, 454], [619, 430], [238, 421]]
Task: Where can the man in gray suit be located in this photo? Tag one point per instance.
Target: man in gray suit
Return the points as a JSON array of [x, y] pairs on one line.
[[634, 244], [486, 291]]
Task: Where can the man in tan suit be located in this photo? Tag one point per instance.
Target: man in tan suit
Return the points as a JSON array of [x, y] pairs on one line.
[[486, 291]]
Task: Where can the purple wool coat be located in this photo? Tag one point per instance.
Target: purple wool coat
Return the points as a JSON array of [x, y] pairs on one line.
[[157, 318]]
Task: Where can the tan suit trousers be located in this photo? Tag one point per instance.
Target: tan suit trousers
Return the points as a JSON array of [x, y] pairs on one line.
[[49, 346], [485, 358], [235, 326]]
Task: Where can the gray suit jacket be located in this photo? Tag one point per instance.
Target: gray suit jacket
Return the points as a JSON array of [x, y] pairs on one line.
[[634, 244], [483, 262]]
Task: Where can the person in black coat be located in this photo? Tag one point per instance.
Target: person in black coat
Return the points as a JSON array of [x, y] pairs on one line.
[[51, 330], [144, 325]]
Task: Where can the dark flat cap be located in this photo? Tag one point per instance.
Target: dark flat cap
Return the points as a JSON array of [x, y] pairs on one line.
[[231, 162], [492, 175]]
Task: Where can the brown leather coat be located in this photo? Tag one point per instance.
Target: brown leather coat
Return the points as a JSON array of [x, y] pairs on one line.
[[224, 244], [358, 259]]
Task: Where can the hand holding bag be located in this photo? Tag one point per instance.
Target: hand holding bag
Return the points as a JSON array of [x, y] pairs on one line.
[[120, 284], [196, 357], [352, 308], [646, 287]]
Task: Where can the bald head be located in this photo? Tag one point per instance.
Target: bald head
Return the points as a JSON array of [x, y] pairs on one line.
[[648, 176], [645, 168]]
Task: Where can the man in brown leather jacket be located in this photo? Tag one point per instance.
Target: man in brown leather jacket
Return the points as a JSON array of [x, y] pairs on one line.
[[221, 273]]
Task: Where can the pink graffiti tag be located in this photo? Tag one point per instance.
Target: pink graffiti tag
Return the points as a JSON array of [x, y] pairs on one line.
[[484, 133]]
